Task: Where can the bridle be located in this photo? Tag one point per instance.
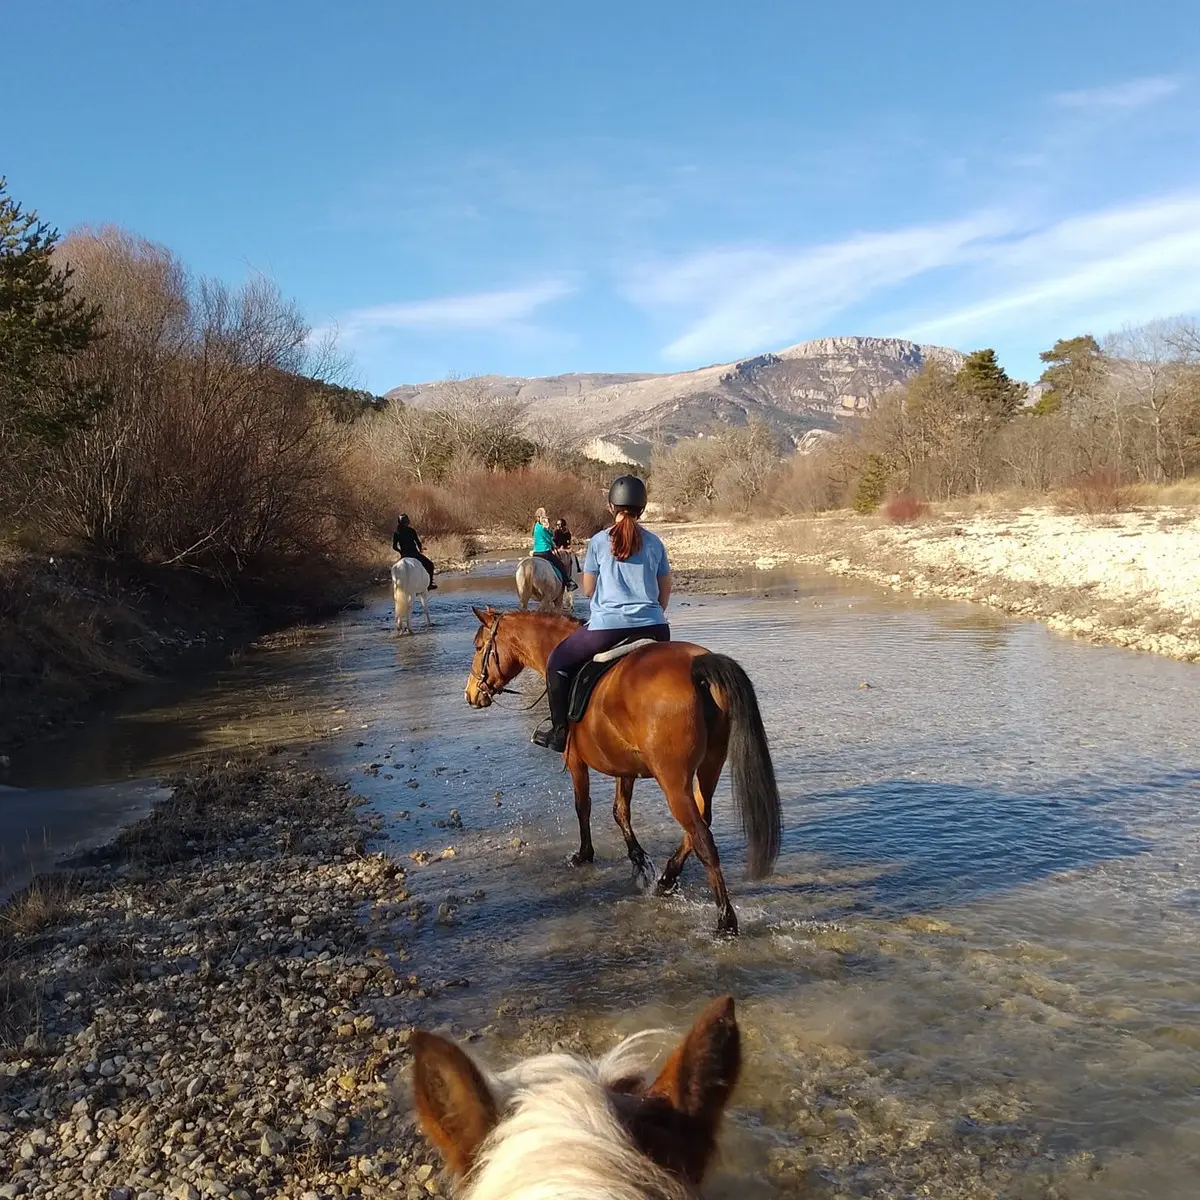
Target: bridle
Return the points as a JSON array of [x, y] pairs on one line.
[[482, 683], [490, 651]]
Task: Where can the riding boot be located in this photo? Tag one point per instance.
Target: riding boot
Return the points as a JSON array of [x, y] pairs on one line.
[[557, 691]]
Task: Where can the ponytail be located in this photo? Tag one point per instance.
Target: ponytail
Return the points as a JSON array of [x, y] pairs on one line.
[[625, 537]]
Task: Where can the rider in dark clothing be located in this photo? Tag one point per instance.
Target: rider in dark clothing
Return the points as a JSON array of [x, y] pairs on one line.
[[407, 543], [562, 535]]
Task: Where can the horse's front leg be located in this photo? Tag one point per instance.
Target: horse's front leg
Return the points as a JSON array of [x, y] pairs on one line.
[[583, 807], [425, 606], [642, 866]]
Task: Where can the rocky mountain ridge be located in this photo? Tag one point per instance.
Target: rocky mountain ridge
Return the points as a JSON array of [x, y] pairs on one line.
[[809, 386]]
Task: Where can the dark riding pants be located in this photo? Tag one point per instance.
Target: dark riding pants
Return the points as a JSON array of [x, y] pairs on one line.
[[570, 654], [556, 563]]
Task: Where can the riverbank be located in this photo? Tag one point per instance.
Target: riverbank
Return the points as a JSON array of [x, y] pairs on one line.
[[74, 627], [1131, 579], [194, 1009]]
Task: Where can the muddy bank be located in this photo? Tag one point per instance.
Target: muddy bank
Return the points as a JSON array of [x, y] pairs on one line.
[[75, 628], [199, 1008], [1129, 579]]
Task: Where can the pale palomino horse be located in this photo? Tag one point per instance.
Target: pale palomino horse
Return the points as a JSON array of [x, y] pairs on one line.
[[557, 1127], [538, 580], [410, 581]]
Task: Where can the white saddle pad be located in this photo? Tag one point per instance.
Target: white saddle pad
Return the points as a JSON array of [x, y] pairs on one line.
[[620, 651]]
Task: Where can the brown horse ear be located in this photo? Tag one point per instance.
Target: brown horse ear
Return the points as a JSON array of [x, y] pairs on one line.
[[454, 1105], [696, 1083], [480, 615]]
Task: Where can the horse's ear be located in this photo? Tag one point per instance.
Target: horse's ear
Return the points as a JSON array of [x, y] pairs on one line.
[[454, 1105], [697, 1081], [481, 616]]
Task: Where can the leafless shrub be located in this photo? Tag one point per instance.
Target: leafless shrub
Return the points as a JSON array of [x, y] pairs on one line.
[[1098, 492], [904, 509]]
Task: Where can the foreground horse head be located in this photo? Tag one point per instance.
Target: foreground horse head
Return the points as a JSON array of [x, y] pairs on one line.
[[572, 1129]]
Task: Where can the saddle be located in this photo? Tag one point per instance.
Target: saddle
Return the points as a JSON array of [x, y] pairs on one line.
[[592, 672]]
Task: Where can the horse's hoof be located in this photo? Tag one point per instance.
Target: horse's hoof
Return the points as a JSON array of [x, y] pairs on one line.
[[580, 860], [645, 875], [727, 925], [664, 887]]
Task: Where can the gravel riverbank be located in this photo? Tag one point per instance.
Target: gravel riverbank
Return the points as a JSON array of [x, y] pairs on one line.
[[1130, 579], [193, 1011]]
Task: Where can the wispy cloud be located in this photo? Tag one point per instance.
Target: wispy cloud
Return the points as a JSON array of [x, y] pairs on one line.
[[1091, 271], [478, 312], [750, 298], [1130, 94]]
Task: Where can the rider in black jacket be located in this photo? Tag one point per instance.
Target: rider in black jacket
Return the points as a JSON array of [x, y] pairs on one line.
[[407, 543]]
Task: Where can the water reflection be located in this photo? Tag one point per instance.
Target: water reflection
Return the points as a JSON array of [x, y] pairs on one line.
[[946, 843]]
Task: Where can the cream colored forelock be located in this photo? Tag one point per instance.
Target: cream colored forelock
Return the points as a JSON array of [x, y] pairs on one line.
[[559, 1138]]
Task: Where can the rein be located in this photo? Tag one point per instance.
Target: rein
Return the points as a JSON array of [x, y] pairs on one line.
[[484, 684]]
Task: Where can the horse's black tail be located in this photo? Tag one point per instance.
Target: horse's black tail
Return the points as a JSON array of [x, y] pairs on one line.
[[752, 774]]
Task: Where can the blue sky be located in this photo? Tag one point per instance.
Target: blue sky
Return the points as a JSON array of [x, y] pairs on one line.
[[531, 187]]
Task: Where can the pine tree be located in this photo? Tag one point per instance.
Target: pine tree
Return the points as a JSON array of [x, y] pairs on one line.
[[986, 388], [872, 485], [1074, 367], [42, 326]]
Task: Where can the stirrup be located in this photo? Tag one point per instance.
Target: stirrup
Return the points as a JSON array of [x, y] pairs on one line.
[[552, 737]]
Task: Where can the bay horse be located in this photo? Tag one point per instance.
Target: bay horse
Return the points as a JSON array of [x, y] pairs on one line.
[[569, 1128], [671, 712]]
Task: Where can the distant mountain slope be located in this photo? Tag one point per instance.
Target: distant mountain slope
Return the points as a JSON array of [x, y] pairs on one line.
[[805, 387]]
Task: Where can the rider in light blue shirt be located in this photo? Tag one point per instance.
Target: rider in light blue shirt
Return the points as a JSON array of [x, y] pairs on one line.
[[626, 592], [628, 578]]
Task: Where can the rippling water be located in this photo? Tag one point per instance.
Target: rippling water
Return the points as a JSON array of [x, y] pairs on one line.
[[975, 972]]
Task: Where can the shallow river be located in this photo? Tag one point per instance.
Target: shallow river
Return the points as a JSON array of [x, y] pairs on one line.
[[976, 971]]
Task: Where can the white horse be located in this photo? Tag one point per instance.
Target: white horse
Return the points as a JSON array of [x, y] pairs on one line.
[[538, 580], [410, 581], [565, 1127]]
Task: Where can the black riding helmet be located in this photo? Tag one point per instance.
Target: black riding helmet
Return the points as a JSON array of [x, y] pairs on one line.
[[627, 492]]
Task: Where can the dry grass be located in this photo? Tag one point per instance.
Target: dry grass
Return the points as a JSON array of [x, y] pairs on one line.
[[452, 551], [1185, 493], [38, 906], [20, 1005]]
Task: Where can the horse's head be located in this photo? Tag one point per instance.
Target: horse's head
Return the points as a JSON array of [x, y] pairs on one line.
[[494, 666], [565, 1126]]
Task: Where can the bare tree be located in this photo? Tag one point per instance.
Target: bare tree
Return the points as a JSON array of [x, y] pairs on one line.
[[1146, 377]]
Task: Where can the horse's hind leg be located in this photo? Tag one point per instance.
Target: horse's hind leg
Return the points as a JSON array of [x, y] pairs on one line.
[[425, 606], [685, 811], [583, 808], [642, 866], [705, 785]]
